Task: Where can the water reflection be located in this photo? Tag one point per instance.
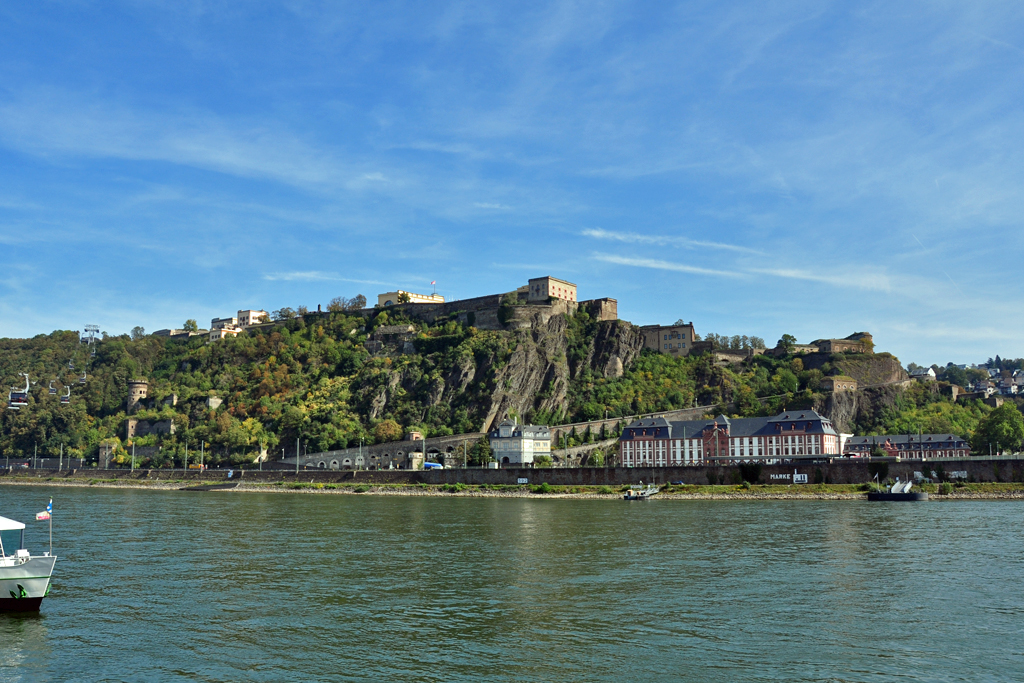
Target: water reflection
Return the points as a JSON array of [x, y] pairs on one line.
[[25, 648]]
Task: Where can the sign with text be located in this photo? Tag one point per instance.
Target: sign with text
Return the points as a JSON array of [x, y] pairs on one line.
[[522, 480], [799, 478]]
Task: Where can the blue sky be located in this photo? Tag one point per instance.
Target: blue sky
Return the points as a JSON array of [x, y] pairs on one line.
[[811, 168]]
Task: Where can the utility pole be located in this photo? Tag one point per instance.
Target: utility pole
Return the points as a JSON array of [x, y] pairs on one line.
[[296, 456], [185, 461], [35, 455], [133, 456], [202, 448], [60, 462]]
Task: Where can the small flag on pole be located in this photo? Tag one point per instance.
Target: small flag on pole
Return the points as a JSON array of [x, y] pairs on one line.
[[43, 515], [433, 282], [49, 506]]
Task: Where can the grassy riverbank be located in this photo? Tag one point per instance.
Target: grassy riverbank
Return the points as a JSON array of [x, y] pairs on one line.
[[668, 492]]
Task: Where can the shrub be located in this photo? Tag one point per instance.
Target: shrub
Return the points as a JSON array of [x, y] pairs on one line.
[[454, 488], [543, 488], [745, 485], [751, 472], [362, 488], [881, 469], [605, 490], [945, 488]]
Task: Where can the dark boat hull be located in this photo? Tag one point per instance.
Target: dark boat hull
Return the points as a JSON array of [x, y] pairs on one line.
[[897, 497], [20, 604]]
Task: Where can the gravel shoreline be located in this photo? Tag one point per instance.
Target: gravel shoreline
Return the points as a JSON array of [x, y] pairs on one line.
[[371, 490]]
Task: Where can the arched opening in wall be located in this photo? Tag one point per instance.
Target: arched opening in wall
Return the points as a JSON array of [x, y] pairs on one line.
[[450, 449], [321, 464], [374, 462], [504, 461], [359, 462], [334, 464], [346, 464]]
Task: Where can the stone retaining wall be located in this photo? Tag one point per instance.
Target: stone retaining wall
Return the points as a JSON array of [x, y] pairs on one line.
[[836, 472]]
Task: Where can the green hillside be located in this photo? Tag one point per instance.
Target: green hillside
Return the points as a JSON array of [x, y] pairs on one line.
[[313, 379]]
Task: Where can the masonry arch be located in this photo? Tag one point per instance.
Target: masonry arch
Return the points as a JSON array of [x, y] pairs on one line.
[[321, 464]]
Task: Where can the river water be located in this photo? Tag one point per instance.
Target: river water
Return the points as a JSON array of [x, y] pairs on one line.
[[165, 586]]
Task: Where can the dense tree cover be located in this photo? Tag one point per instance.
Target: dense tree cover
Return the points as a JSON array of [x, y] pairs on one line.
[[1001, 430], [311, 378], [920, 408]]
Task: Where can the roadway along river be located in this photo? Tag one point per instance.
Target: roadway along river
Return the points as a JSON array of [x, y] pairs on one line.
[[164, 586]]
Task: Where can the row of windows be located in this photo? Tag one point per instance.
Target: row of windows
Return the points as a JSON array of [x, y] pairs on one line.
[[680, 345]]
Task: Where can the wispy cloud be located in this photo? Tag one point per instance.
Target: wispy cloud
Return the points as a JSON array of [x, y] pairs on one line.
[[316, 276], [663, 240], [665, 265], [497, 207], [858, 281]]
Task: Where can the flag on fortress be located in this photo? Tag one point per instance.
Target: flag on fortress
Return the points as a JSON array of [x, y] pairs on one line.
[[433, 282]]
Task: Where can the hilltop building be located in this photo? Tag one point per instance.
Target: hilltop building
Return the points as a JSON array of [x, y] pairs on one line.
[[395, 297], [516, 444], [656, 442], [248, 318], [675, 340], [858, 342], [547, 287]]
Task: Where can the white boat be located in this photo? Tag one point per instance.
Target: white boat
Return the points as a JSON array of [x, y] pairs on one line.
[[24, 578], [640, 492]]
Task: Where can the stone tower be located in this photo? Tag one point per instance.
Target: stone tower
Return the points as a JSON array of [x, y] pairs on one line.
[[138, 389]]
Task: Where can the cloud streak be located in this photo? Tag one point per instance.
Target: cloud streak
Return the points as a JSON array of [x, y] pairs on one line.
[[316, 276], [860, 281], [663, 240]]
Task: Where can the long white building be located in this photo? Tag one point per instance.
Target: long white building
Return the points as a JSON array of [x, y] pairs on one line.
[[656, 442]]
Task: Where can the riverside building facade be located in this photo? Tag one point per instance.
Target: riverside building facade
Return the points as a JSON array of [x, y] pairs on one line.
[[656, 442], [516, 444]]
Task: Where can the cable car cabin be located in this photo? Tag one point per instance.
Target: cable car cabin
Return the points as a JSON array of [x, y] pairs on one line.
[[65, 399], [53, 389], [17, 399], [71, 365], [81, 380]]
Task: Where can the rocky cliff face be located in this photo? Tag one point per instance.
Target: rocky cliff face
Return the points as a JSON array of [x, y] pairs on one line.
[[867, 369], [545, 355]]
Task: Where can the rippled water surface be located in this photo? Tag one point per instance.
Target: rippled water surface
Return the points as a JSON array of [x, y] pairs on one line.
[[268, 587]]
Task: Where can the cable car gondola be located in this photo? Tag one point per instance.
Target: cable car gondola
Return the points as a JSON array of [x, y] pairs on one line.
[[81, 380], [66, 398], [53, 389], [71, 365], [18, 399]]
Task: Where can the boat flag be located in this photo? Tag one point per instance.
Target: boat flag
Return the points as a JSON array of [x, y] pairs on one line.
[[49, 506], [43, 515]]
